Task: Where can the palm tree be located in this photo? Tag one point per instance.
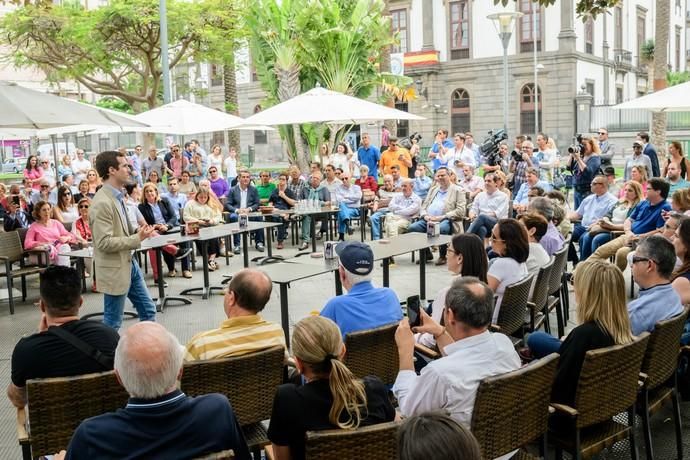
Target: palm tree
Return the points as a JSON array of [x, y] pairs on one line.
[[230, 96], [663, 21]]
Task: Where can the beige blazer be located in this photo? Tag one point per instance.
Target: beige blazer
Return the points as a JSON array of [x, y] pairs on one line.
[[453, 208], [112, 244]]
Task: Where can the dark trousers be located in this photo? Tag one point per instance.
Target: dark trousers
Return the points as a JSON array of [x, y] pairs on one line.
[[258, 235]]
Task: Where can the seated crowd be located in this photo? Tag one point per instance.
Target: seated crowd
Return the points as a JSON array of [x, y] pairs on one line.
[[502, 245]]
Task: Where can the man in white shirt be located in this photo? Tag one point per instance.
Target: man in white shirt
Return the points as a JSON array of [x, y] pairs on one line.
[[349, 197], [470, 353], [331, 182], [459, 156], [470, 182], [80, 166], [401, 209], [637, 159], [487, 207], [548, 158]]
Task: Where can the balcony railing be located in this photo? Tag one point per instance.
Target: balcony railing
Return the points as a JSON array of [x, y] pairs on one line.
[[622, 59], [633, 119]]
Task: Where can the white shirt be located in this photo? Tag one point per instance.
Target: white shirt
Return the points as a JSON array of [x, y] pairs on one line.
[[80, 167], [243, 197], [472, 185], [450, 383], [465, 156], [495, 204], [404, 206], [507, 271], [230, 164], [537, 258], [217, 162]]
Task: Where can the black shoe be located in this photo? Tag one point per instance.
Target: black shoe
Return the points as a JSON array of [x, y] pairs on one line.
[[319, 236], [182, 253], [341, 237], [165, 284], [236, 250]]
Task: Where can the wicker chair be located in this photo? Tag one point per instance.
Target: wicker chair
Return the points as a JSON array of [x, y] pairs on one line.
[[557, 298], [249, 382], [538, 313], [11, 252], [511, 315], [224, 455], [373, 352], [500, 421], [58, 405], [608, 385], [660, 382], [375, 442]]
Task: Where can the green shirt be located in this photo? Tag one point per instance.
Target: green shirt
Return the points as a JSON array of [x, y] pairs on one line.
[[265, 191]]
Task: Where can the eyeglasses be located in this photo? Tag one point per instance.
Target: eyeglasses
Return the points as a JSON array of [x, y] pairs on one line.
[[45, 186], [495, 238], [83, 206], [213, 171], [637, 259], [602, 134], [637, 146], [598, 183]]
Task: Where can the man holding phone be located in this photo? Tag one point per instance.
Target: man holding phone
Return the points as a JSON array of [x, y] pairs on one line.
[[395, 155], [15, 218]]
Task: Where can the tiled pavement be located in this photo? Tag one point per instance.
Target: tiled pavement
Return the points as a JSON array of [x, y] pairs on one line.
[[305, 297]]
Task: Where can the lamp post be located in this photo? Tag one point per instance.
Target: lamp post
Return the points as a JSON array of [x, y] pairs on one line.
[[504, 23], [537, 96]]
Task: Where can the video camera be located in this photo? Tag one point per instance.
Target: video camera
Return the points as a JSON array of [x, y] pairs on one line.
[[407, 141], [576, 146], [489, 147]]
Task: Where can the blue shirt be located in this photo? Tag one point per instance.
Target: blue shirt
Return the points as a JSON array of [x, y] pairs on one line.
[[178, 201], [436, 207], [646, 217], [172, 426], [654, 304], [682, 183], [522, 196], [157, 214], [364, 307], [370, 157], [595, 207], [422, 186], [436, 163]]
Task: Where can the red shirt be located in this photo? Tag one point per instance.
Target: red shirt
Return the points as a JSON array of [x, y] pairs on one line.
[[369, 183]]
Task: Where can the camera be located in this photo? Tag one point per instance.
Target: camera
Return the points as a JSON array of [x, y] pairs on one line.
[[489, 147], [407, 141], [576, 146]]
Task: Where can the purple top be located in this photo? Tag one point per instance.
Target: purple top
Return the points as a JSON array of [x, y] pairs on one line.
[[219, 187]]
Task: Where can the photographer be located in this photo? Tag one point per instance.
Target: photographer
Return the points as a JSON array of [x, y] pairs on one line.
[[584, 163], [437, 154], [499, 161], [15, 218], [521, 159]]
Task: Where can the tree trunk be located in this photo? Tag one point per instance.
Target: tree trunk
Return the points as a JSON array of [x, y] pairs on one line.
[[230, 98], [658, 134], [386, 67], [288, 87]]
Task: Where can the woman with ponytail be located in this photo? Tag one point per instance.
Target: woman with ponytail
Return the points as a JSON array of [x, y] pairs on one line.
[[330, 398]]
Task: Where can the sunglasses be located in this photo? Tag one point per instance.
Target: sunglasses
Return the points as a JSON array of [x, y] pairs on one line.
[[84, 206], [601, 134], [45, 186]]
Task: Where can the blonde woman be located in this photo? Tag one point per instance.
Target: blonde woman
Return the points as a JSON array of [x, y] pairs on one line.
[[206, 213], [638, 173], [604, 321], [600, 232], [501, 182], [215, 158], [94, 182], [680, 201], [331, 396]]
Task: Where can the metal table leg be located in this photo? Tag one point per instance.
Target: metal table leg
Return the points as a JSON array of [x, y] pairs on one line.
[[422, 274], [162, 299], [284, 316]]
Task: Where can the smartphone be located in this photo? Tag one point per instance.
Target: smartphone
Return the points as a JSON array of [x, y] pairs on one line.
[[15, 200], [413, 315]]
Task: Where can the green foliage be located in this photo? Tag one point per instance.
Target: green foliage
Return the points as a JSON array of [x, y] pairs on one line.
[[114, 50], [114, 104], [647, 50], [676, 78], [334, 43], [583, 8]]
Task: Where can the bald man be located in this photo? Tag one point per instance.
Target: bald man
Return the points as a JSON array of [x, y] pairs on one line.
[[159, 421]]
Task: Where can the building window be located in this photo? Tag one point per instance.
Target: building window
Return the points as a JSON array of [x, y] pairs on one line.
[[260, 137], [403, 125], [641, 36], [589, 36], [619, 94], [527, 101], [399, 26], [218, 137], [589, 87], [460, 30], [216, 75], [618, 27], [677, 45], [460, 111], [528, 34]]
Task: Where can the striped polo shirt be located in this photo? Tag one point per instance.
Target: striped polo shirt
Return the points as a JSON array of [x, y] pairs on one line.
[[236, 336]]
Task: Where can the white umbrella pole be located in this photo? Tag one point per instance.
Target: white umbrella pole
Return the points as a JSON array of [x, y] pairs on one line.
[[53, 138]]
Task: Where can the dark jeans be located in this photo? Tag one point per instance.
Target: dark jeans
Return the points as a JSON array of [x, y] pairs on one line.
[[170, 259], [212, 247], [282, 230], [578, 231], [482, 225], [258, 234]]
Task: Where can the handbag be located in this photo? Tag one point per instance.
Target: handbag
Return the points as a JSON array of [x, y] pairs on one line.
[[558, 181]]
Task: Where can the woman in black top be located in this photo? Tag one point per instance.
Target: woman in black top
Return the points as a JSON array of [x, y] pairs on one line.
[[604, 321], [331, 397]]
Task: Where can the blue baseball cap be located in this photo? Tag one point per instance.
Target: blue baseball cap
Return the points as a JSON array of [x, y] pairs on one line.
[[356, 257]]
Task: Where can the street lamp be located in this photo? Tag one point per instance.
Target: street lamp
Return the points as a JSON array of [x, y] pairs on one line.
[[504, 23], [537, 96]]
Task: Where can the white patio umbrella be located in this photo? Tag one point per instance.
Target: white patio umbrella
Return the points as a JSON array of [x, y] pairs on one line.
[[320, 105], [185, 118], [31, 112], [673, 99]]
